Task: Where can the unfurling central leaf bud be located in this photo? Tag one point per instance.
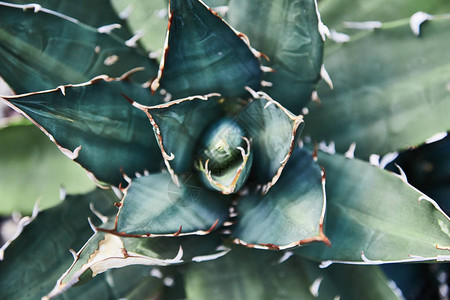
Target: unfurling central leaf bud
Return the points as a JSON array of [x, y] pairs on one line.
[[224, 157]]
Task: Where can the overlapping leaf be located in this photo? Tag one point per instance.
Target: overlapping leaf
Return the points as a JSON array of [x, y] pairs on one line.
[[97, 127], [105, 251], [392, 223], [42, 50], [249, 274], [204, 55], [274, 132], [40, 254], [290, 214], [288, 33], [391, 87], [178, 127], [154, 205]]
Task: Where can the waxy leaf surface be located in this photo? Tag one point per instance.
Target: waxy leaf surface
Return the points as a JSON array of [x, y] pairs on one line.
[[42, 50], [391, 87], [274, 132], [291, 213], [114, 136], [251, 274], [386, 225], [178, 127], [40, 254], [287, 32], [154, 204], [204, 55]]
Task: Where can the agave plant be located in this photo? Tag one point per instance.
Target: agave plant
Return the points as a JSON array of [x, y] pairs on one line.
[[218, 177]]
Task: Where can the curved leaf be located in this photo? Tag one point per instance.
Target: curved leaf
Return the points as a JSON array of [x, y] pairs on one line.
[[251, 274], [204, 55], [32, 168], [374, 217], [40, 254], [154, 205], [114, 136], [104, 252], [290, 214], [274, 132], [178, 127], [288, 33], [391, 87], [42, 50]]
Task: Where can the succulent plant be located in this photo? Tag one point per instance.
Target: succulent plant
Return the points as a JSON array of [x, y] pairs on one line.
[[218, 176]]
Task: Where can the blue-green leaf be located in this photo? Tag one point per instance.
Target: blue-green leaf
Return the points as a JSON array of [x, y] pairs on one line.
[[35, 260], [97, 127], [178, 127], [290, 214], [288, 33], [274, 132], [374, 217], [44, 49], [204, 55], [251, 274], [154, 205]]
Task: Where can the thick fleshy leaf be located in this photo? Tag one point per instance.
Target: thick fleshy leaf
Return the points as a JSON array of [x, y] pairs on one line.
[[391, 87], [133, 282], [114, 136], [374, 217], [34, 260], [288, 33], [32, 168], [95, 14], [42, 50], [274, 132], [225, 157], [105, 251], [252, 274], [155, 205], [204, 55], [290, 214], [178, 127]]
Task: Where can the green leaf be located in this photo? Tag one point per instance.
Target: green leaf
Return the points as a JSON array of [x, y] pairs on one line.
[[42, 50], [225, 157], [178, 127], [154, 205], [40, 254], [290, 214], [95, 14], [105, 251], [274, 132], [204, 55], [391, 87], [288, 33], [133, 282], [114, 136], [374, 216], [32, 168], [252, 274]]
